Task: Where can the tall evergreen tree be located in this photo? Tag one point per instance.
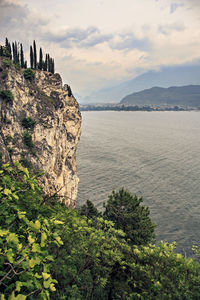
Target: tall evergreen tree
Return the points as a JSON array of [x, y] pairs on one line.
[[53, 66], [1, 51], [45, 63], [10, 50], [14, 53], [40, 66], [48, 63], [31, 57], [34, 55], [25, 64], [6, 43], [21, 56]]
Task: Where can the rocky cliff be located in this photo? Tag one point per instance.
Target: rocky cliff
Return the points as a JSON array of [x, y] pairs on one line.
[[40, 126]]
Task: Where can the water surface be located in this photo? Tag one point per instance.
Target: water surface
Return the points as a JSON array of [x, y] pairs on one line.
[[153, 154]]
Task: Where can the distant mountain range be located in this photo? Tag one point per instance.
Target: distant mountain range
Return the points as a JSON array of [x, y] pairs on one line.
[[182, 96], [166, 77]]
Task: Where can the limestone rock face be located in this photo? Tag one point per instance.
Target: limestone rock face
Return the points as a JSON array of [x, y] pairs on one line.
[[51, 145]]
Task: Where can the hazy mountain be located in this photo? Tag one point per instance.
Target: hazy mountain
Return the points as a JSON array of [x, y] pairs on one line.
[[185, 96], [166, 77]]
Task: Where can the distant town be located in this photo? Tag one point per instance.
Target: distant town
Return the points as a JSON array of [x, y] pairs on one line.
[[126, 107]]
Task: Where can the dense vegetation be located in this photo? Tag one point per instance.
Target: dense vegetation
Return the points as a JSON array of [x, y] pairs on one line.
[[49, 251], [15, 53]]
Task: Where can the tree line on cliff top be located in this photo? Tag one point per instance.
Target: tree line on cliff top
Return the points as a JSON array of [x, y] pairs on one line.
[[50, 251], [15, 52]]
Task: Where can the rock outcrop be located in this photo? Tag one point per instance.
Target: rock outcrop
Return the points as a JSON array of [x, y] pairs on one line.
[[49, 144]]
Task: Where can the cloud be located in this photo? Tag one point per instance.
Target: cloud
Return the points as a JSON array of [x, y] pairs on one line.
[[128, 42], [174, 6], [17, 21], [169, 28], [78, 37]]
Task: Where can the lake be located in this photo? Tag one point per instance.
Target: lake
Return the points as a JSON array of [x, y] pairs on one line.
[[155, 155]]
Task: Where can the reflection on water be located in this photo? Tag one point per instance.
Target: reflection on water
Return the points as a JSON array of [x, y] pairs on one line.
[[153, 154]]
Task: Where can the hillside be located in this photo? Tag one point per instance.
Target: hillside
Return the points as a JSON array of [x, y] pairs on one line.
[[165, 77], [183, 96]]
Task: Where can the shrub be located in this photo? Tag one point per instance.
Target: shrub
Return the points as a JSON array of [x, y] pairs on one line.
[[29, 74], [7, 96], [28, 123], [18, 66], [27, 139], [4, 75], [7, 62]]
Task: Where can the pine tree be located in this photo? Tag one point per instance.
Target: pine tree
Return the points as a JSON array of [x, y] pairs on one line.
[[31, 57], [40, 66], [21, 56], [34, 55]]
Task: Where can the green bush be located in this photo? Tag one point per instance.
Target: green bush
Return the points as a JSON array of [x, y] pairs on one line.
[[28, 123], [27, 139], [4, 74], [7, 96], [7, 62], [29, 74]]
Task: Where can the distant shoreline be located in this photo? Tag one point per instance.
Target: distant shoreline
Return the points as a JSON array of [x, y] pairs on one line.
[[134, 108]]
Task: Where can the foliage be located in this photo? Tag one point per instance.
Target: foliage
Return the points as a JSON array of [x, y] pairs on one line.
[[7, 96], [27, 139], [89, 210], [24, 243], [7, 62], [28, 123], [128, 215], [93, 260], [29, 74], [4, 74]]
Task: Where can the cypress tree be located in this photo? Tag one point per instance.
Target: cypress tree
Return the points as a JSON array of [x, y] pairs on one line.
[[40, 60], [6, 43], [21, 56], [48, 63], [53, 66], [34, 55], [45, 63], [14, 53], [31, 57], [10, 50], [1, 51], [25, 65]]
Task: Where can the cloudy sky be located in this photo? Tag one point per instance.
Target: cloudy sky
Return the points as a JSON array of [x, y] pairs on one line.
[[100, 43]]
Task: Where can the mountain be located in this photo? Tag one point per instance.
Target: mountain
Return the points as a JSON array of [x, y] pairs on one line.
[[184, 96], [166, 77]]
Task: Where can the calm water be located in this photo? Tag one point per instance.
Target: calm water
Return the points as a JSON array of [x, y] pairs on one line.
[[153, 154]]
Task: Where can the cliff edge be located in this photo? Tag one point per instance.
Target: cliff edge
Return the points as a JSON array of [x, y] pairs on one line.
[[40, 125]]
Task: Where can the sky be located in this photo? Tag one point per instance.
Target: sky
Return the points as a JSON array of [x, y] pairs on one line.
[[100, 43]]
